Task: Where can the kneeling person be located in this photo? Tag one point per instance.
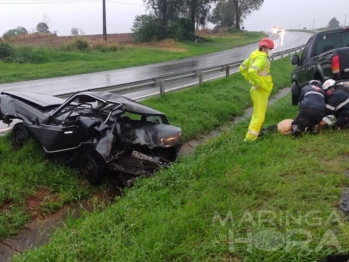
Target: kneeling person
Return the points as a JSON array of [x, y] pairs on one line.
[[338, 103], [312, 109]]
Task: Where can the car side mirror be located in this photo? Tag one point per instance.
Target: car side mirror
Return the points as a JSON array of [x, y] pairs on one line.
[[295, 60]]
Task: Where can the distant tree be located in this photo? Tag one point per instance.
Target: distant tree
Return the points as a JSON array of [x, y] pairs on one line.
[[74, 31], [334, 23], [170, 15], [243, 8], [228, 13], [165, 10], [223, 14], [148, 28], [48, 21], [42, 28], [198, 11], [19, 30]]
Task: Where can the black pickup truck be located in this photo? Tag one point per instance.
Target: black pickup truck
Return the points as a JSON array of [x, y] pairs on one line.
[[325, 55]]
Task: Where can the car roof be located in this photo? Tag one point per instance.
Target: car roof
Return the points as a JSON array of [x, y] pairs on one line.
[[41, 100], [340, 29], [130, 105], [46, 101]]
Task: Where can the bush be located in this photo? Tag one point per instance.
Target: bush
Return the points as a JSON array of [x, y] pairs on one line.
[[101, 46], [147, 28], [233, 30], [28, 54], [81, 44], [6, 50], [182, 29], [9, 59], [115, 47]]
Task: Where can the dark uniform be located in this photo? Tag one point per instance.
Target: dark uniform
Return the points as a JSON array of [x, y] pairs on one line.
[[338, 105], [312, 110]]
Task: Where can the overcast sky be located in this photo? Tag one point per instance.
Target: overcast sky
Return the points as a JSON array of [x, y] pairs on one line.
[[87, 14]]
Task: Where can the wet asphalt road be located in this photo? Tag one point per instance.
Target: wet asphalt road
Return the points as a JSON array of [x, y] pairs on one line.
[[55, 86], [134, 74]]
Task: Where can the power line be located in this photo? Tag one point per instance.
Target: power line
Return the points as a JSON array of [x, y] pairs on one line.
[[115, 2], [48, 2], [35, 2]]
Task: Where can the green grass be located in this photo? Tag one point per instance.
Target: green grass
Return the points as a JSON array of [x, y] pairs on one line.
[[278, 186], [210, 106], [56, 63], [200, 109], [32, 185]]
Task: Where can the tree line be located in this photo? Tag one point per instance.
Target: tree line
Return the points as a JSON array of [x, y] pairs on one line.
[[179, 19], [173, 18]]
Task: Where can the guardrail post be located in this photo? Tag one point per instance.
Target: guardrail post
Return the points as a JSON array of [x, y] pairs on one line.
[[227, 69], [161, 84], [201, 78], [162, 87]]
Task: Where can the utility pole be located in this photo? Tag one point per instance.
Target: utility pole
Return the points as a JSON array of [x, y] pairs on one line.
[[345, 20], [104, 23], [313, 23]]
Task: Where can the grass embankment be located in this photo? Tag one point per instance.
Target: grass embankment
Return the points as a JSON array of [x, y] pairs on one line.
[[26, 175], [272, 200], [32, 186], [48, 63]]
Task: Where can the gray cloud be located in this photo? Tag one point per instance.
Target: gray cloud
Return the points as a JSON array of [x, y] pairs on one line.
[[87, 14]]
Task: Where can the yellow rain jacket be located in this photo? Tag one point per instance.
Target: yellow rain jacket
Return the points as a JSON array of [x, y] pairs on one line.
[[256, 70]]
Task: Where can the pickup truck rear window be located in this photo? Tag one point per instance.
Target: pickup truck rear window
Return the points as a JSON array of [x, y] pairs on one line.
[[328, 42]]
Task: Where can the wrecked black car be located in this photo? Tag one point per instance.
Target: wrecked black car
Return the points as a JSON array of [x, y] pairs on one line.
[[97, 131]]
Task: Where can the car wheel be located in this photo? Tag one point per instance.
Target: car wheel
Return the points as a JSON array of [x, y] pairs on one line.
[[19, 135], [90, 169], [295, 93]]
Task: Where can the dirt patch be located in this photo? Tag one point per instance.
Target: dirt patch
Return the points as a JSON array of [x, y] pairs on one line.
[[33, 204], [54, 41], [166, 44], [6, 206]]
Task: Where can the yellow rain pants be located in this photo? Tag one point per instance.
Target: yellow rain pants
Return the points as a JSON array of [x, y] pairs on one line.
[[256, 70], [260, 104]]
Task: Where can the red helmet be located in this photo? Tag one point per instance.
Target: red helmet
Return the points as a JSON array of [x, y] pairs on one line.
[[266, 42]]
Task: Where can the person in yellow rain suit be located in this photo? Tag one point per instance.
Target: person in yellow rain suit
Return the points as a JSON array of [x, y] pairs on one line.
[[256, 70]]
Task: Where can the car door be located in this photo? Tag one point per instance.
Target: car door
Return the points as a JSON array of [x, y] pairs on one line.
[[57, 138], [302, 69]]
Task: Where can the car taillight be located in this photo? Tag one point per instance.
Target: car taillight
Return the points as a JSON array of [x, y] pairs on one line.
[[335, 64]]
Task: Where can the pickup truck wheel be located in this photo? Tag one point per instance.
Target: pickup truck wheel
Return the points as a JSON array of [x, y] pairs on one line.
[[19, 135], [295, 94], [90, 169]]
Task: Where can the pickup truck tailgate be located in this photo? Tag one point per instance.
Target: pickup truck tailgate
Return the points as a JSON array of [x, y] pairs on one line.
[[344, 62]]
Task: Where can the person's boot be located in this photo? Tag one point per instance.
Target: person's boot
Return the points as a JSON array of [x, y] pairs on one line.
[[268, 130], [316, 129]]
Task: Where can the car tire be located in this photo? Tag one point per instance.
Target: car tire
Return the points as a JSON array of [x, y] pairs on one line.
[[295, 93], [90, 169], [19, 135]]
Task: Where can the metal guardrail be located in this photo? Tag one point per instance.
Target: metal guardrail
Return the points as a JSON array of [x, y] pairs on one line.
[[161, 81]]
